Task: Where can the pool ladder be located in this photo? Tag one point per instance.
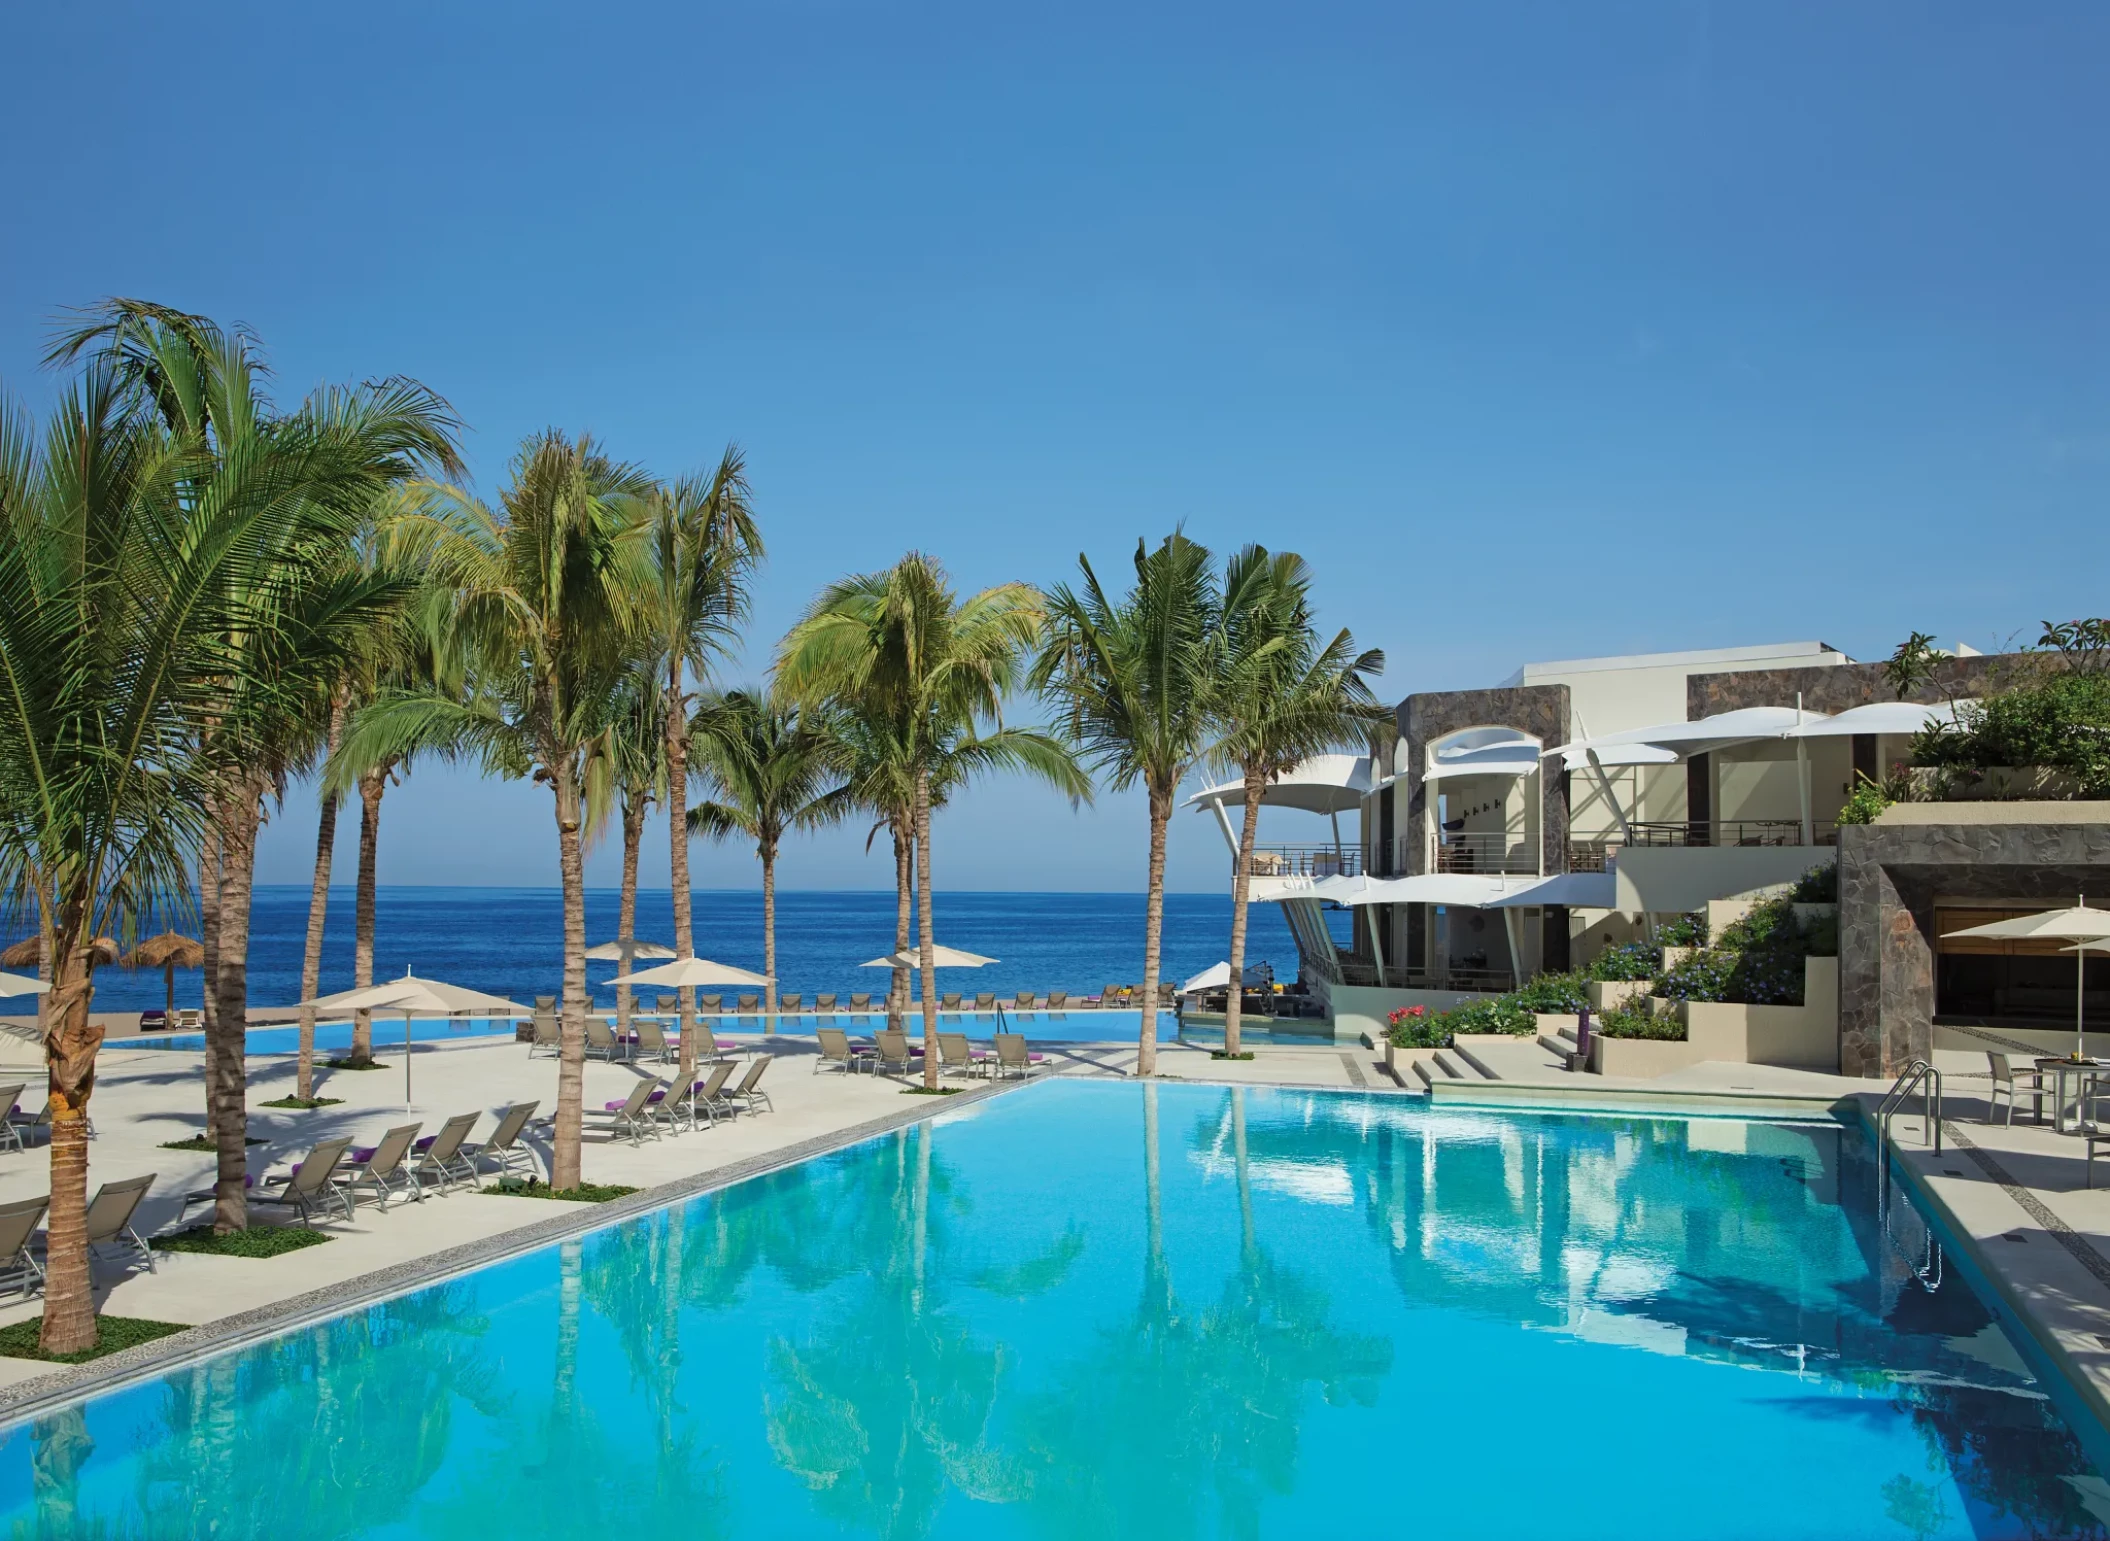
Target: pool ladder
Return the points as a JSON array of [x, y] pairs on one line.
[[1920, 1076]]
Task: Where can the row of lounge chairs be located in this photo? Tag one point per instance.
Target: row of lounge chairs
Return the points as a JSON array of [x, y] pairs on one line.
[[891, 1051], [110, 1215], [654, 1106]]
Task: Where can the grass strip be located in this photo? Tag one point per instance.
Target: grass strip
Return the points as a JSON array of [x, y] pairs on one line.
[[353, 1064], [585, 1193], [1222, 1054], [203, 1142], [18, 1340], [932, 1091], [257, 1241], [303, 1102]]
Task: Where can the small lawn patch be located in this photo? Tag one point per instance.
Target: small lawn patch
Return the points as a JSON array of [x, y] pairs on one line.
[[257, 1241], [1227, 1054], [932, 1091], [19, 1340], [585, 1193], [203, 1142], [303, 1102], [350, 1064]]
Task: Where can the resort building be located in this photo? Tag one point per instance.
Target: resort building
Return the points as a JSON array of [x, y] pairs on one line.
[[1504, 832]]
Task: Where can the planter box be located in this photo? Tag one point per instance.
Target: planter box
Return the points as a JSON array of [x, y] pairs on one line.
[[1608, 994], [1993, 784], [1804, 1037], [1673, 956], [1641, 1058]]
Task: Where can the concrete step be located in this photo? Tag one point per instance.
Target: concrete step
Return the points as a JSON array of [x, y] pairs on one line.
[[1560, 1043], [1519, 1059], [1465, 1065]]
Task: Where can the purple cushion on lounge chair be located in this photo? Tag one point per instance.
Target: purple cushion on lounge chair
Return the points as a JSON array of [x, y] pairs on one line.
[[1036, 1058], [658, 1096], [364, 1153], [613, 1107], [426, 1143]]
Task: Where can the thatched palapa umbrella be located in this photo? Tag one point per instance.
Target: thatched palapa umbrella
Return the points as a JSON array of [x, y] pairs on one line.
[[168, 952], [29, 952]]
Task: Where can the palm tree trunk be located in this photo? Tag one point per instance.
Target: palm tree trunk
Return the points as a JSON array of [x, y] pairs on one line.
[[626, 918], [768, 853], [678, 853], [238, 827], [1241, 885], [209, 940], [571, 1035], [318, 912], [904, 881], [1153, 933], [372, 785], [69, 1058], [926, 942]]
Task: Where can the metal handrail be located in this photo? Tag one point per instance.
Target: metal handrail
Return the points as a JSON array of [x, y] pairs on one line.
[[1919, 1074]]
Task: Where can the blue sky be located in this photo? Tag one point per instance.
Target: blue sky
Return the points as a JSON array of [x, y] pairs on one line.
[[1540, 329]]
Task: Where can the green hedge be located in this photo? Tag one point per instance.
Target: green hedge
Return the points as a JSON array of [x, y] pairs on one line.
[[1626, 1022]]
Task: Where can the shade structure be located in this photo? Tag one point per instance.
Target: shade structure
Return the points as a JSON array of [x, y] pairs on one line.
[[942, 957], [1686, 739], [612, 952], [416, 997], [22, 984], [691, 971], [2079, 924], [1880, 717], [168, 952], [1217, 976], [1325, 783], [29, 952]]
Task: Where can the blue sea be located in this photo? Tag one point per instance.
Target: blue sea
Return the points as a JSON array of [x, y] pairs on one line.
[[510, 941]]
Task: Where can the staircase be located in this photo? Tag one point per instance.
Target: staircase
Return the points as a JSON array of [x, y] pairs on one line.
[[1499, 1059]]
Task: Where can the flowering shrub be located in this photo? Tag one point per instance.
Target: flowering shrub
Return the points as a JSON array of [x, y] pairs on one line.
[[1625, 1022], [1633, 960], [1410, 1028], [1685, 931], [1758, 962], [1819, 885]]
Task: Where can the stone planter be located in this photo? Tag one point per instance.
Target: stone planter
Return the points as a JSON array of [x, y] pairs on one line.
[[1610, 994], [1993, 784], [1641, 1058]]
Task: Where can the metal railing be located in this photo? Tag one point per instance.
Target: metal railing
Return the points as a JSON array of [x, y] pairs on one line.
[[1725, 832], [1591, 855], [1472, 851], [1920, 1075], [1306, 861]]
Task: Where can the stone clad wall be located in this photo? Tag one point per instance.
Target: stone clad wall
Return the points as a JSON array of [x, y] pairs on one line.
[[1890, 873], [1539, 710], [1837, 688]]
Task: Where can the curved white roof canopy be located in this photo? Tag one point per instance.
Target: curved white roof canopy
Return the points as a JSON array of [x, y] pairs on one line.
[[1880, 717], [1504, 760], [1465, 890], [1326, 783], [1686, 739]]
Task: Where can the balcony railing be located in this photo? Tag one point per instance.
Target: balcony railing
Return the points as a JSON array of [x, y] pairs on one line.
[[1727, 832], [1361, 971], [1591, 855], [1306, 861], [1465, 851]]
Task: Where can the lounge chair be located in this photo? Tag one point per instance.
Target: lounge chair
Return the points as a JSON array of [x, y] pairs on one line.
[[2007, 1080], [710, 1003], [189, 1019], [307, 1187], [958, 1056], [652, 1040], [836, 1050], [792, 1003], [985, 1001], [860, 1000], [601, 1041], [707, 1096], [547, 1035], [18, 1226], [949, 1002], [1012, 1056], [632, 1117], [1024, 1002], [545, 1002], [748, 1094], [892, 1050], [824, 1003], [504, 1150], [1058, 999], [381, 1169], [110, 1218], [750, 1003], [438, 1158], [667, 1005], [10, 1099]]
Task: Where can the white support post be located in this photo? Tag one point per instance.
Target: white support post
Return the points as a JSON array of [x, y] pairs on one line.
[[1224, 819]]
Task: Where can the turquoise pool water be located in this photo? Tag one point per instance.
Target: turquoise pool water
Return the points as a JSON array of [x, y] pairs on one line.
[[1097, 1310], [1054, 1026]]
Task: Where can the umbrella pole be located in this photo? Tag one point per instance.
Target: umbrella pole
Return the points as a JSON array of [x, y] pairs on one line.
[[406, 1059], [168, 1016], [2080, 1002]]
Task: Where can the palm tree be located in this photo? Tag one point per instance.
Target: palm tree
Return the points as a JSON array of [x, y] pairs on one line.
[[546, 590], [275, 676], [1132, 681], [771, 766], [900, 646], [705, 546], [1279, 697], [629, 771], [318, 909]]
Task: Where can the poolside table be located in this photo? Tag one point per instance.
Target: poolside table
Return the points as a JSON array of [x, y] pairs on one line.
[[2083, 1074]]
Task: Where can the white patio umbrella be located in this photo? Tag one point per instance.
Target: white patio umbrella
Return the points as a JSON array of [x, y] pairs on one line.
[[2080, 924], [691, 971], [22, 984], [416, 997], [942, 957], [612, 952]]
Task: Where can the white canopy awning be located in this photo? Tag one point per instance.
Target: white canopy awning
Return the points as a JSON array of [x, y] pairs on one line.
[[1879, 717], [1576, 890], [1686, 739], [1217, 976], [1505, 760], [1467, 890], [1326, 783]]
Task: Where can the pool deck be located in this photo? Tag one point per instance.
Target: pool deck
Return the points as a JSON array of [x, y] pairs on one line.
[[2016, 1195]]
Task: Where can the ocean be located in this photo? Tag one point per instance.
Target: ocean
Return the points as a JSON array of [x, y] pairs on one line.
[[509, 941]]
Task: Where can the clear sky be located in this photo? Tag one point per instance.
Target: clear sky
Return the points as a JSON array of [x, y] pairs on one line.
[[1542, 330]]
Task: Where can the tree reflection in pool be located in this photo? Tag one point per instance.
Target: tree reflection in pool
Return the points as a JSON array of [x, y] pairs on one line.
[[1092, 1310]]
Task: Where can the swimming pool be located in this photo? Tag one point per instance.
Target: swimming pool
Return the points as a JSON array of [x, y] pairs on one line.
[[1125, 1310], [1054, 1026]]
